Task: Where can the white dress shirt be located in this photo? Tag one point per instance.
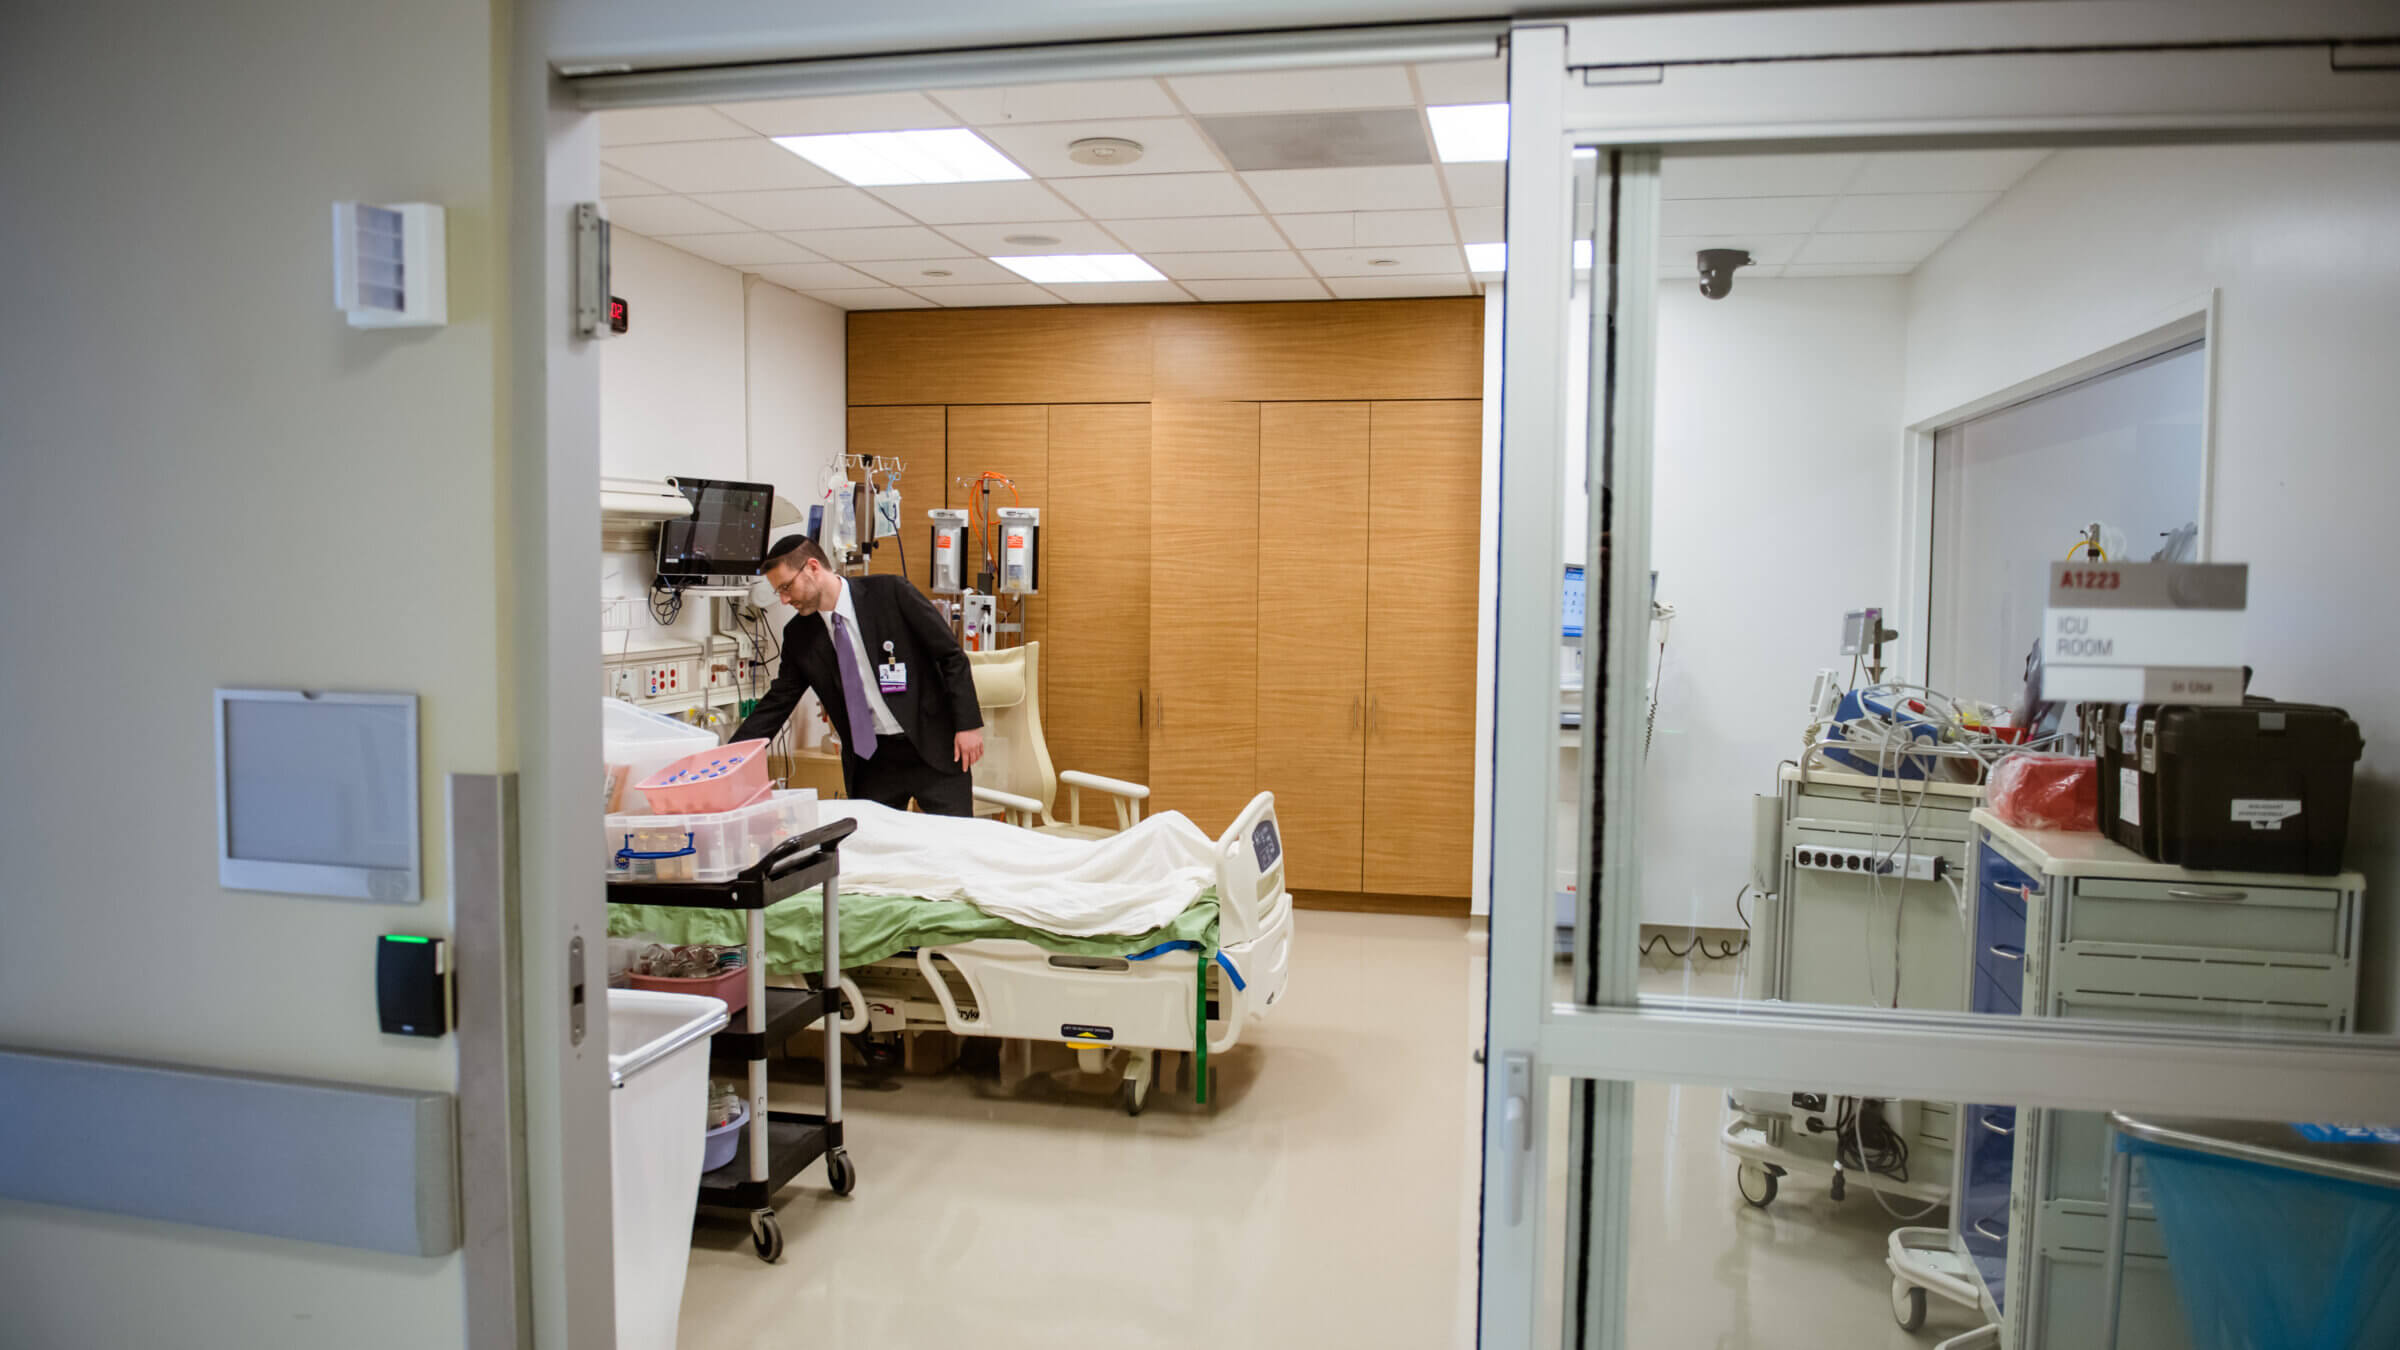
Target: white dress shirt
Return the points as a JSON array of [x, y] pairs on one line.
[[885, 723]]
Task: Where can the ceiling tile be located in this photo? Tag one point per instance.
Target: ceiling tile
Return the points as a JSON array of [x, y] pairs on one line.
[[1396, 188], [1387, 288], [804, 209], [1905, 211], [1073, 236], [1015, 293], [1295, 289], [841, 112], [1476, 184], [975, 203], [813, 276], [1867, 269], [1742, 215], [1444, 82], [1756, 175], [1767, 250], [872, 297], [1397, 262], [1296, 90], [911, 272], [668, 215], [901, 241], [1194, 234], [740, 250], [1344, 229], [639, 126], [1169, 145], [1482, 224], [1166, 194], [1058, 102], [1899, 246], [618, 183], [1121, 292], [1222, 266], [1351, 139], [1945, 170], [719, 166]]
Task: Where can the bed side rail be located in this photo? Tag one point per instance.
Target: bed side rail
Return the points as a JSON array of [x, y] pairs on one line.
[[1249, 871]]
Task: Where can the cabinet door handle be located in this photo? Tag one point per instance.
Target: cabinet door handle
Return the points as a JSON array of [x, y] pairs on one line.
[[1158, 709], [2006, 952], [1984, 1226], [1141, 711], [1358, 704], [2220, 897], [1374, 706], [1985, 1120]]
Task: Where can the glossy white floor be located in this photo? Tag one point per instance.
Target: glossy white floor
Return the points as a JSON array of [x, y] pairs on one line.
[[1326, 1199]]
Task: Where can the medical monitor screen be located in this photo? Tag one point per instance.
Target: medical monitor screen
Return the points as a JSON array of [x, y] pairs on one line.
[[726, 534]]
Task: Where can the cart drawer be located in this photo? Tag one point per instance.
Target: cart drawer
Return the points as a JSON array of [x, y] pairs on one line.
[[2258, 918]]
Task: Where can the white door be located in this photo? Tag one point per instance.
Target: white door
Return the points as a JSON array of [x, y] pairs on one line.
[[1604, 102]]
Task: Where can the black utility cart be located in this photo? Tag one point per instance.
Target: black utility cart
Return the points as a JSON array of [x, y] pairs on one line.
[[777, 1144]]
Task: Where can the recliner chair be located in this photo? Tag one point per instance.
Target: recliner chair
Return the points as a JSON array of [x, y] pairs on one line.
[[1015, 780]]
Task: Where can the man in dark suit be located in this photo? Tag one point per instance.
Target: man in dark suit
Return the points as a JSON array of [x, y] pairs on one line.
[[892, 677]]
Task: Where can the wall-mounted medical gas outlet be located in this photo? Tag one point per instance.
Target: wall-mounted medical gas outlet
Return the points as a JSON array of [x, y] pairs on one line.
[[1870, 862], [389, 269]]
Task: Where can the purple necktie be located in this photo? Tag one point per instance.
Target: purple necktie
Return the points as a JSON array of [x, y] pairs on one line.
[[854, 691]]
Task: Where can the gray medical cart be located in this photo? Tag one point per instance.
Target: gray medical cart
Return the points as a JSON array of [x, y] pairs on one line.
[[2075, 925]]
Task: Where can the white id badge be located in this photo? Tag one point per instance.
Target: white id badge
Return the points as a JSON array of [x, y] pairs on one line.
[[893, 676]]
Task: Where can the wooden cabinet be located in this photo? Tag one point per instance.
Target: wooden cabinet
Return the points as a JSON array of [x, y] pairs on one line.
[[1420, 680], [1313, 461], [914, 436], [1204, 547], [1095, 548]]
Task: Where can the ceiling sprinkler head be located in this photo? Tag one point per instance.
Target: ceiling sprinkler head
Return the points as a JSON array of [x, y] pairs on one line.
[[1383, 262], [937, 272], [1107, 152], [1031, 240]]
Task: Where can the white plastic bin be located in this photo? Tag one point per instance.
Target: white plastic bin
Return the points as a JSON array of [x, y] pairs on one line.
[[646, 742], [712, 847], [658, 1122]]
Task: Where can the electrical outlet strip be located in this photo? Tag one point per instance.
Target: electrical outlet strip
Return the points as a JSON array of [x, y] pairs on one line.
[[1867, 862]]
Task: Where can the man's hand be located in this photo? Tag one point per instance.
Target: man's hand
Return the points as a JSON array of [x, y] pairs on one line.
[[969, 748]]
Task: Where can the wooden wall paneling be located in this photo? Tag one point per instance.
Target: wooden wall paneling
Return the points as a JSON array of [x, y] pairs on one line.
[[1312, 635], [1421, 589], [1065, 354], [1002, 439], [915, 436], [1204, 609], [1312, 350], [1095, 563]]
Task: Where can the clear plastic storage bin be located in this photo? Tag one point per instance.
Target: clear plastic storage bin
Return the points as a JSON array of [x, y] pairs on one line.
[[713, 847]]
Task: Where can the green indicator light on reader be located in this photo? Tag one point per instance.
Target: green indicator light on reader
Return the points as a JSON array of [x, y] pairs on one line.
[[396, 937]]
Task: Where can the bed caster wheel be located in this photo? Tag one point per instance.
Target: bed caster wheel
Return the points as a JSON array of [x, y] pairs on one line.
[[840, 1172], [1908, 1305], [1757, 1183], [766, 1236], [1133, 1096]]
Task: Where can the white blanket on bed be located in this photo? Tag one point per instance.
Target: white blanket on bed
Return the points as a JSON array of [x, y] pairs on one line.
[[1124, 884]]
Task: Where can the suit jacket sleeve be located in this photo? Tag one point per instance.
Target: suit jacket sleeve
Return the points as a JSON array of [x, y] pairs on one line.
[[926, 625], [775, 708]]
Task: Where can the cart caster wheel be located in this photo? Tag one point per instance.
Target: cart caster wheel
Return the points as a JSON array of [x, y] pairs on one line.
[[840, 1172], [1838, 1189], [1908, 1306], [1132, 1097], [1757, 1183], [766, 1235]]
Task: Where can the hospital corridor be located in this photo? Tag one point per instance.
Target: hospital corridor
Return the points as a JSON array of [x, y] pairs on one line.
[[1300, 674]]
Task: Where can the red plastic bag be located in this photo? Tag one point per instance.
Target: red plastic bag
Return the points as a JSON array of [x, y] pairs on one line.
[[2047, 792]]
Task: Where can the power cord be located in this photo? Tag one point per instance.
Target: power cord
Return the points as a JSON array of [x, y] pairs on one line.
[[1724, 951]]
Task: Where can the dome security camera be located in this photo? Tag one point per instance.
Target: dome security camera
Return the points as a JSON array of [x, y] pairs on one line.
[[1716, 270]]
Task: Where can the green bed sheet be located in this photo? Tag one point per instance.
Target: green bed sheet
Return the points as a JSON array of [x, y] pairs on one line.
[[877, 926]]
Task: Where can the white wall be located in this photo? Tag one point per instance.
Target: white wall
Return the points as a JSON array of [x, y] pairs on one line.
[[1778, 412], [2297, 240], [212, 480]]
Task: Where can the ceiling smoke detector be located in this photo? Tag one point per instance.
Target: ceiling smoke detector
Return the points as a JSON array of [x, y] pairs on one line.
[[1030, 240], [1108, 152]]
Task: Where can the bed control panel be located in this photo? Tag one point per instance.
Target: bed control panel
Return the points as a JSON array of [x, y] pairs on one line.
[[1265, 845]]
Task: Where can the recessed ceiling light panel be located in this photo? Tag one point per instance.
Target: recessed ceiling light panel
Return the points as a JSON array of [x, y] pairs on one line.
[[891, 158], [1054, 269], [1470, 133]]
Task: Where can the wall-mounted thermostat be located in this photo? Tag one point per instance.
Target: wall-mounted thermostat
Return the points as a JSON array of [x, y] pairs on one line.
[[389, 265]]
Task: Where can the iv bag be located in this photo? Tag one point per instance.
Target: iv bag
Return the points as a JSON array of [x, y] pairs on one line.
[[887, 513]]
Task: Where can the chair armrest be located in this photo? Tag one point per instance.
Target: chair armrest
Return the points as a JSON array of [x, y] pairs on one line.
[[1115, 787], [1014, 809]]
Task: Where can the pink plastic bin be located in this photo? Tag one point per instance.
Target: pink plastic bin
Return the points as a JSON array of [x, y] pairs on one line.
[[715, 780], [731, 984]]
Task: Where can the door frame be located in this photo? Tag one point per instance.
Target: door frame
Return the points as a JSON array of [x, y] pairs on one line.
[[1883, 76]]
